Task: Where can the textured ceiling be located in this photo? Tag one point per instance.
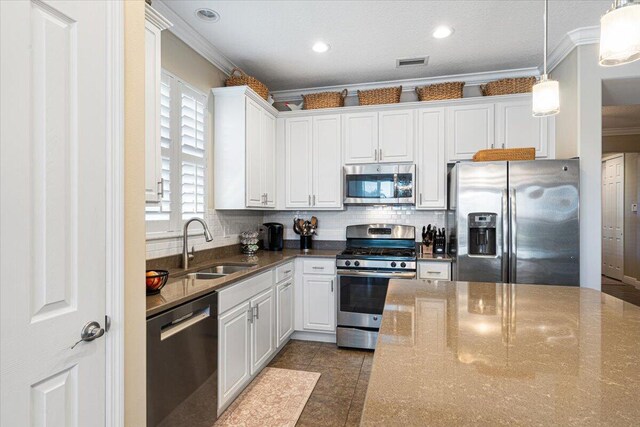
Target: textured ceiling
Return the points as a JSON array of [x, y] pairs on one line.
[[621, 116], [272, 39]]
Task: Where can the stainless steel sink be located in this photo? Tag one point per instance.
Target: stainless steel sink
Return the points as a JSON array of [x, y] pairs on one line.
[[205, 276], [226, 269]]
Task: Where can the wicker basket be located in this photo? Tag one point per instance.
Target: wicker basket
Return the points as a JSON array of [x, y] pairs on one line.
[[440, 91], [239, 78], [508, 86], [386, 95], [324, 100], [505, 154]]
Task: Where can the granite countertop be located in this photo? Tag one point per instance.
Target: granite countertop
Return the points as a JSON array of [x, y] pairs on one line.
[[180, 289], [433, 257], [459, 353]]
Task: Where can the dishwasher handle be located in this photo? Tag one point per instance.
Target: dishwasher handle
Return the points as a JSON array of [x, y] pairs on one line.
[[184, 322]]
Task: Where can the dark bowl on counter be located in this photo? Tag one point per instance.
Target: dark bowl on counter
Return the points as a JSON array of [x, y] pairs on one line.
[[156, 279]]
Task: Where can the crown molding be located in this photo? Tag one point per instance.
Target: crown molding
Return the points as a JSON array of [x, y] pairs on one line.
[[195, 40], [408, 85], [578, 37], [621, 131], [156, 18]]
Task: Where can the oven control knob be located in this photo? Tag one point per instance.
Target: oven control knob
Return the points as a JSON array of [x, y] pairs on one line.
[[357, 263], [347, 263], [393, 263], [375, 317], [403, 264]]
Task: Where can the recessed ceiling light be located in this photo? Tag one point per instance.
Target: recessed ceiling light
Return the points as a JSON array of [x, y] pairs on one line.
[[208, 15], [442, 32], [321, 47]]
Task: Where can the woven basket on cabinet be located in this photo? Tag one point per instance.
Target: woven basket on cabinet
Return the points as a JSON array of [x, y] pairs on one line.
[[314, 101], [239, 78], [508, 86], [499, 154], [386, 95], [440, 91]]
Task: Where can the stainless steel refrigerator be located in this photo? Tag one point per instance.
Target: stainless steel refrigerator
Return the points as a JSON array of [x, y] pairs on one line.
[[515, 222]]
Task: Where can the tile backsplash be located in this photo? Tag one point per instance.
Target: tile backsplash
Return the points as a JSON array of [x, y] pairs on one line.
[[227, 225]]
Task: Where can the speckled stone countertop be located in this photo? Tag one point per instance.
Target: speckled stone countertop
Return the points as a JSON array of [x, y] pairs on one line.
[[432, 257], [458, 353], [180, 289]]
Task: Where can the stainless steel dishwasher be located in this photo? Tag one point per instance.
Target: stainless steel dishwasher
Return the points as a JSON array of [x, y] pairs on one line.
[[182, 365]]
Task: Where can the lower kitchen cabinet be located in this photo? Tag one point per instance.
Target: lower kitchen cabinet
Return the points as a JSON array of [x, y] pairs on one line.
[[262, 329], [234, 333], [434, 270], [285, 311], [319, 302]]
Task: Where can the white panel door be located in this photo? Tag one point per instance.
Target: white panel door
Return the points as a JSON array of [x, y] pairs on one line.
[[613, 218], [254, 161], [319, 303], [431, 170], [327, 162], [153, 158], [516, 127], [269, 159], [396, 131], [263, 329], [470, 128], [360, 139], [298, 152], [234, 335], [285, 304], [55, 104]]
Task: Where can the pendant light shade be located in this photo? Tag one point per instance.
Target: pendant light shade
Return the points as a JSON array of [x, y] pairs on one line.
[[546, 93], [620, 34], [546, 97]]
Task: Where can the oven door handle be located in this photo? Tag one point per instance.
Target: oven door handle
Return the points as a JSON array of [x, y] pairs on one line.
[[382, 274]]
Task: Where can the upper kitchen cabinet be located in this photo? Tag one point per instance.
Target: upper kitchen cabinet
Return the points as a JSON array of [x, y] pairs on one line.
[[244, 149], [313, 162], [154, 24], [431, 162], [516, 127], [470, 128], [379, 137]]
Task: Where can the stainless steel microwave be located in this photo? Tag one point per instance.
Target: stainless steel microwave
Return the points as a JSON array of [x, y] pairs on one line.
[[380, 184]]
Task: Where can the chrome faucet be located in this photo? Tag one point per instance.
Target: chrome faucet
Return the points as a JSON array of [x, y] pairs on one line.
[[186, 256]]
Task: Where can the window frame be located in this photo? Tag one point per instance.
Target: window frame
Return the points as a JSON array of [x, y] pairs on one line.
[[162, 229]]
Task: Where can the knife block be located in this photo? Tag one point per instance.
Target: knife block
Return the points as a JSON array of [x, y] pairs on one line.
[[427, 249], [439, 245]]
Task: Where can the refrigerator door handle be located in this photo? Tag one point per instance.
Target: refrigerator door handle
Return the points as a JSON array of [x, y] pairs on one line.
[[513, 250], [505, 236]]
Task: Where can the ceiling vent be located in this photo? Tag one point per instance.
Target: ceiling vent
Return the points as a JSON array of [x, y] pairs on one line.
[[412, 62]]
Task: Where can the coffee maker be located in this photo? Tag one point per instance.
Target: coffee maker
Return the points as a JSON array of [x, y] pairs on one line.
[[273, 236]]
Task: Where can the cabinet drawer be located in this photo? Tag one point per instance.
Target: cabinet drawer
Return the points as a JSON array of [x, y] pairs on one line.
[[319, 266], [284, 272], [235, 294], [434, 270]]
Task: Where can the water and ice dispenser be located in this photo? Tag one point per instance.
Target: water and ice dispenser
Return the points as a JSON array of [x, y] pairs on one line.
[[482, 233]]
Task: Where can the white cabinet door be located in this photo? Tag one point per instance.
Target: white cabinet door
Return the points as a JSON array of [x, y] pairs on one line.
[[327, 162], [253, 132], [153, 160], [470, 128], [269, 159], [396, 131], [263, 338], [234, 335], [360, 132], [319, 303], [298, 152], [517, 128], [284, 320], [431, 170]]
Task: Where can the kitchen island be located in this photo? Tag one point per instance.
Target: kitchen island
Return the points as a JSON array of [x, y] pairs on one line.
[[459, 353]]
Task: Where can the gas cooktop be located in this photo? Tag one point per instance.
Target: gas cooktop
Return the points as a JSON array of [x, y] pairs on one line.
[[372, 253]]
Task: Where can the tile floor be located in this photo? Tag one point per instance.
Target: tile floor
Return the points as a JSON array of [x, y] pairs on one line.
[[338, 397], [624, 291]]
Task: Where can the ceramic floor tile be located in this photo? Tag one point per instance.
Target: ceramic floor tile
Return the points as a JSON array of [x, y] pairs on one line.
[[338, 357], [340, 382], [324, 411]]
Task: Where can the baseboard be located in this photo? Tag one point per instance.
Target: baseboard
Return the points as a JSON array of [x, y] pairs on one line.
[[314, 336], [631, 281]]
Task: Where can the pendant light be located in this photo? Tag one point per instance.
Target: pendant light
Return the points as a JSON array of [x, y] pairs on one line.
[[546, 93], [620, 33]]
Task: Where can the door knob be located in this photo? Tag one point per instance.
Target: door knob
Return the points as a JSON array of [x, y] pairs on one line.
[[90, 332]]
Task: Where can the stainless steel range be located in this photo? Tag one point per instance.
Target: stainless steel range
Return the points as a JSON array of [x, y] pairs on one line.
[[375, 253]]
